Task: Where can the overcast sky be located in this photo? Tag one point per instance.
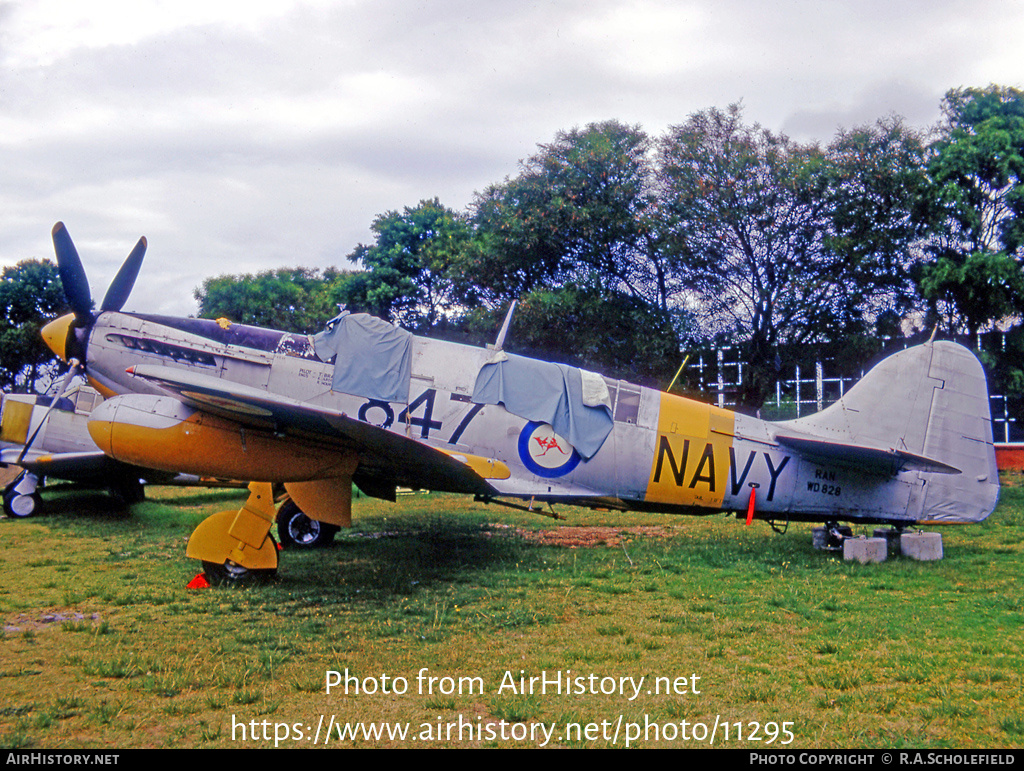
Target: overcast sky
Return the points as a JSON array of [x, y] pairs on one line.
[[242, 136]]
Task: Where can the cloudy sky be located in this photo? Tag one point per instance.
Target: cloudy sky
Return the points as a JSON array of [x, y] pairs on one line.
[[241, 136]]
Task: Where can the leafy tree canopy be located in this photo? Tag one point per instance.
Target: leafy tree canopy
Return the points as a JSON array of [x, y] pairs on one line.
[[780, 243], [30, 295], [581, 211], [409, 277], [288, 299], [976, 166], [613, 334]]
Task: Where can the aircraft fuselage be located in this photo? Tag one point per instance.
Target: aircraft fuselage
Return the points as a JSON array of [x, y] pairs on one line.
[[664, 452]]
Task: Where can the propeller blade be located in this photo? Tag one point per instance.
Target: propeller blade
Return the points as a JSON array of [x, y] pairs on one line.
[[121, 286], [72, 274]]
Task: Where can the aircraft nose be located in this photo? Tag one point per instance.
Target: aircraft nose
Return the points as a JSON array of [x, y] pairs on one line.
[[55, 334]]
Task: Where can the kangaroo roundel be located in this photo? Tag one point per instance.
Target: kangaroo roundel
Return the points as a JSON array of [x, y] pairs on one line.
[[544, 452]]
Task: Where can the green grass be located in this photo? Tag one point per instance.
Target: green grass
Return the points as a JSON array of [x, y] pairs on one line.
[[104, 646]]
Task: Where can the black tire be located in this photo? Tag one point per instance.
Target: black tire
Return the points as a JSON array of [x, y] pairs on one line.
[[128, 492], [230, 574], [297, 531]]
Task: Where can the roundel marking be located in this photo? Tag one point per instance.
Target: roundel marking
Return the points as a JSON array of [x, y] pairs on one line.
[[544, 452]]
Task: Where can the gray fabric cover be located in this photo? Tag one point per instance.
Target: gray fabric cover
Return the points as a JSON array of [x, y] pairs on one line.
[[374, 358], [546, 392]]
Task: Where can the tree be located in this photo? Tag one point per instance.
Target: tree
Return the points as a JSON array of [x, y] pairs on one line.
[[575, 238], [288, 299], [878, 198], [30, 295], [410, 277], [614, 334], [783, 244], [976, 167], [581, 211]]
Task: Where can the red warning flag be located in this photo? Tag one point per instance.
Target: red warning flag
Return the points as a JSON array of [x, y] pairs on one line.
[[199, 582]]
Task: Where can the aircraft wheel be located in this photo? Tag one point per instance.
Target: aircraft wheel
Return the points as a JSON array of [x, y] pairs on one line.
[[230, 574], [295, 529], [129, 492], [21, 505], [8, 496]]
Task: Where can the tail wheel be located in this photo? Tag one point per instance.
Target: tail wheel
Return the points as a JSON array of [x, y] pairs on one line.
[[295, 529]]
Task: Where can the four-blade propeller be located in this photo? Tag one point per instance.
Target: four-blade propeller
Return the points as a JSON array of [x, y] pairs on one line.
[[76, 283], [67, 336]]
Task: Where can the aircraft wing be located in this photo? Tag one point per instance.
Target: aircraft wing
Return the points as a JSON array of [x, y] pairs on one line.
[[64, 465], [866, 458], [383, 454]]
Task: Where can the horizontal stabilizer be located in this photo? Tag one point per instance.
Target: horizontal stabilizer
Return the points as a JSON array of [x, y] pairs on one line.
[[864, 458]]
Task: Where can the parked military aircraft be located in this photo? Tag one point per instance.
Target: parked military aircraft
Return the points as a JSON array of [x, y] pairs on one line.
[[366, 402], [47, 437]]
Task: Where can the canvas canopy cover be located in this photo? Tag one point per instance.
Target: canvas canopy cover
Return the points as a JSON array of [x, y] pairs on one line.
[[574, 402], [373, 357]]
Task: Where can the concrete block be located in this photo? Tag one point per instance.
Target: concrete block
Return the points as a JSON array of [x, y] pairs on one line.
[[921, 546], [865, 550]]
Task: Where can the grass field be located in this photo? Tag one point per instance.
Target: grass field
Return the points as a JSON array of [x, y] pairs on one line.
[[439, 609]]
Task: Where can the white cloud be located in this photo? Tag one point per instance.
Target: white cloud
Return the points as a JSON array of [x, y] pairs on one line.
[[240, 137]]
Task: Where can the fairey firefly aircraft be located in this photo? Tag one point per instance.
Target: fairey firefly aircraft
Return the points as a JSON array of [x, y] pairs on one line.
[[368, 403]]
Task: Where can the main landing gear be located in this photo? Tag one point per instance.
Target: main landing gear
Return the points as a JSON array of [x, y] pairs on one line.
[[296, 530], [21, 498], [236, 547]]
